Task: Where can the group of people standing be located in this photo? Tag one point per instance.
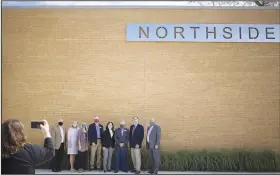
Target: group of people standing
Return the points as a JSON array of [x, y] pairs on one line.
[[96, 138]]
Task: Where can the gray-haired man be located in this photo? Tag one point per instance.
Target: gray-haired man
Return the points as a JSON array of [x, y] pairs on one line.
[[153, 144], [121, 140]]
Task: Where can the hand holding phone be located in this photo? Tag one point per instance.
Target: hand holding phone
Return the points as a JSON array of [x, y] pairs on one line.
[[41, 124], [45, 128]]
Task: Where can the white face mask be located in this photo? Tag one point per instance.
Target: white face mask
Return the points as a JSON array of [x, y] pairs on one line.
[[74, 125], [110, 126]]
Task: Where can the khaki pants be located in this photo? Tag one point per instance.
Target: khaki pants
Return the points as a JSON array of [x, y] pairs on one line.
[[136, 158], [93, 149]]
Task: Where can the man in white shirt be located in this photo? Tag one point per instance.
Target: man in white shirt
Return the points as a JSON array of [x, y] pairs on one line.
[[58, 136], [153, 144]]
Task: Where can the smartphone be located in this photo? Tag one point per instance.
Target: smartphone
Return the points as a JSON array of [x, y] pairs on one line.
[[35, 124]]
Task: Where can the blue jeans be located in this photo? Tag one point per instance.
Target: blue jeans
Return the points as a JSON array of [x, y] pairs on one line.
[[121, 156]]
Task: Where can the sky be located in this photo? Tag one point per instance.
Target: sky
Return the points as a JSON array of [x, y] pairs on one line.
[[117, 3]]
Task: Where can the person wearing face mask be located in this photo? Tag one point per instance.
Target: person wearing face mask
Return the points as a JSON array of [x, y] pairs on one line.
[[153, 144], [83, 147], [136, 136], [58, 136], [121, 140], [108, 144], [95, 132], [73, 144]]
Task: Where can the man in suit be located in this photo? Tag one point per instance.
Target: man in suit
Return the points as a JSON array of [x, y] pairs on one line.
[[153, 144], [58, 134], [136, 136], [121, 140], [95, 131]]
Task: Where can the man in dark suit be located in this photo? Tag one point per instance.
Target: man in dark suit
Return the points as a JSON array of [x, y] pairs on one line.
[[153, 144], [95, 131], [136, 136], [121, 140]]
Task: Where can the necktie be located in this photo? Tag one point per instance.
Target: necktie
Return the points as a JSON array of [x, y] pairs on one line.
[[133, 130]]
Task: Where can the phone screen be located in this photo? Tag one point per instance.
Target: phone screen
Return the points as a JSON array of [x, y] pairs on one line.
[[36, 124]]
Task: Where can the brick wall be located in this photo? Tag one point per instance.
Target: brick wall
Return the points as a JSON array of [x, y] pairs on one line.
[[75, 64]]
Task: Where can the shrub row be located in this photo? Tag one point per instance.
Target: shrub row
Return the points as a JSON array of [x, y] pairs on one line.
[[205, 160]]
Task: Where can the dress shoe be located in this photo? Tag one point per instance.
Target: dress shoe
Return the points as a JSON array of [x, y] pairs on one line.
[[105, 171], [137, 172], [150, 172], [116, 171], [155, 172], [72, 170]]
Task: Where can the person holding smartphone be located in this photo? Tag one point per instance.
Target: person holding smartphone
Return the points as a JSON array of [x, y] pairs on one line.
[[20, 157]]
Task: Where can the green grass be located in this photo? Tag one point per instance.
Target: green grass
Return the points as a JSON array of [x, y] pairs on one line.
[[207, 160]]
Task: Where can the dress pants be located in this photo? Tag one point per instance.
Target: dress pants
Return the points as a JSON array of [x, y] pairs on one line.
[[82, 160], [58, 158], [107, 158], [121, 157], [154, 160]]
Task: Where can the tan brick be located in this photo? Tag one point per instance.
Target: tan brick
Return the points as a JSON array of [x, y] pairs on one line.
[[75, 64]]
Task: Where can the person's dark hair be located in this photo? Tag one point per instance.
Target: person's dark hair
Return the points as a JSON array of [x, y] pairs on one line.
[[12, 137], [108, 124]]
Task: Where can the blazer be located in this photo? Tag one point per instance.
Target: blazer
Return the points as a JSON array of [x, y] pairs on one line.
[[137, 137], [107, 140], [28, 158], [92, 134], [119, 138], [57, 137], [154, 137]]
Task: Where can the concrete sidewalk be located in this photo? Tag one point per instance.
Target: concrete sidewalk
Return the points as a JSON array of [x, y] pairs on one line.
[[43, 171]]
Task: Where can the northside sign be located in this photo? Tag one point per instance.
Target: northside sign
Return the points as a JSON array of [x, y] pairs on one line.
[[203, 32]]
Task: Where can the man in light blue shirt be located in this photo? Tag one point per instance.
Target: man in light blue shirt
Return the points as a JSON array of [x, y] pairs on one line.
[[95, 131]]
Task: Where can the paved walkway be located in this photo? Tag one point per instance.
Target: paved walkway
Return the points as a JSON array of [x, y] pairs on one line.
[[41, 171]]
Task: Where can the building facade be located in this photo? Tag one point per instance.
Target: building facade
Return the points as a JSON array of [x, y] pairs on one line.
[[76, 63]]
